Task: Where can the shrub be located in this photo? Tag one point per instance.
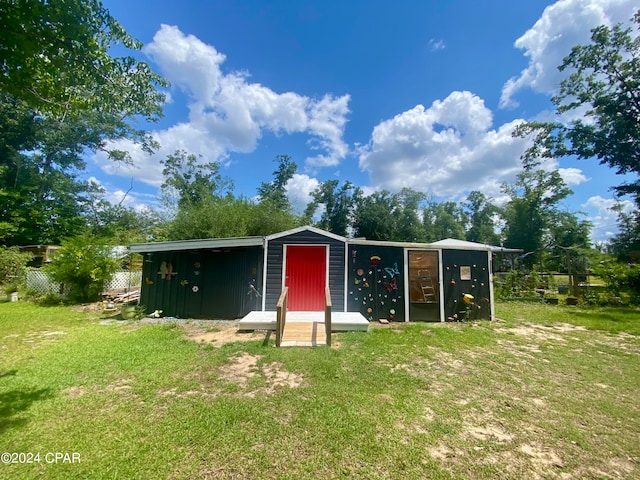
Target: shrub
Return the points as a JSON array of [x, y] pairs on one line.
[[13, 267], [83, 265]]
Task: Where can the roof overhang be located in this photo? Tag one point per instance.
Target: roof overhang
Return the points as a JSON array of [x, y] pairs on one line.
[[307, 228], [202, 244]]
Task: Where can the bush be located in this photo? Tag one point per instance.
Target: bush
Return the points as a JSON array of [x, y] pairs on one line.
[[13, 267], [621, 279], [517, 284], [83, 265]]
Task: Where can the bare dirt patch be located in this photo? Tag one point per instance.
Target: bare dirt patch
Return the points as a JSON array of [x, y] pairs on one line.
[[229, 335], [489, 432], [246, 366], [218, 333]]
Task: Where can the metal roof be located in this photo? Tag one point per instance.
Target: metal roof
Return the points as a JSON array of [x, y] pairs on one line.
[[456, 244], [308, 228], [201, 244], [215, 243]]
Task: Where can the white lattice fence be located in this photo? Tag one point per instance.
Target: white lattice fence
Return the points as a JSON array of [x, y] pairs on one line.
[[123, 280], [39, 282]]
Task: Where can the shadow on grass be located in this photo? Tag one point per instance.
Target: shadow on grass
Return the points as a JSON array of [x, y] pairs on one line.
[[613, 320], [14, 402]]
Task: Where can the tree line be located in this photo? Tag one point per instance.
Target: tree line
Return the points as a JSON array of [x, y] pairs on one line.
[[63, 94]]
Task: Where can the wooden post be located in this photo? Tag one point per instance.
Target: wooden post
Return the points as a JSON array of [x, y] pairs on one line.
[[281, 315], [327, 315]]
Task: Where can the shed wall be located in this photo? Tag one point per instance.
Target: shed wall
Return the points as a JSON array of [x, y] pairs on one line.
[[275, 258], [469, 270], [202, 284], [375, 286]]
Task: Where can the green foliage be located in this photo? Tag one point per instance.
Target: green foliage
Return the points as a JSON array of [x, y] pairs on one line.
[[386, 216], [604, 78], [83, 265], [228, 217], [516, 284], [481, 212], [56, 56], [444, 220], [338, 205], [628, 238], [121, 224], [62, 93], [189, 182], [13, 266], [531, 210], [275, 192], [620, 278]]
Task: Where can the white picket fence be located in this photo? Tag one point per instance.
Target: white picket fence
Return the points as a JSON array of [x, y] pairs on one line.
[[123, 280]]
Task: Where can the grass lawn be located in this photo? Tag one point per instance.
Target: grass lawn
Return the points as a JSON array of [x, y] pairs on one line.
[[544, 392]]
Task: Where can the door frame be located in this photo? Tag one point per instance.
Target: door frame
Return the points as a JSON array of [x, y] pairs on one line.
[[327, 249]]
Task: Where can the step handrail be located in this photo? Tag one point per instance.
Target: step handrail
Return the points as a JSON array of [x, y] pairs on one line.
[[281, 314], [327, 315]]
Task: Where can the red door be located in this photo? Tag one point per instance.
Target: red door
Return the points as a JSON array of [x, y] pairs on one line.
[[306, 275]]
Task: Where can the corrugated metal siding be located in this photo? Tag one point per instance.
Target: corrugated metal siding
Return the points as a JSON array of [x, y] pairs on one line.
[[478, 285], [275, 260], [203, 284], [375, 286]]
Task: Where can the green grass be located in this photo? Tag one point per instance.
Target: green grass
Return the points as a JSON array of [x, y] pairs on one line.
[[546, 392]]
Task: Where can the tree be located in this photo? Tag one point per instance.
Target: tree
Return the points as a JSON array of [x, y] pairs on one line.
[[228, 217], [481, 213], [338, 206], [13, 266], [55, 55], [375, 216], [189, 182], [386, 216], [604, 80], [63, 94], [568, 239], [275, 192], [120, 224], [83, 265], [532, 207], [627, 240], [444, 220], [410, 228]]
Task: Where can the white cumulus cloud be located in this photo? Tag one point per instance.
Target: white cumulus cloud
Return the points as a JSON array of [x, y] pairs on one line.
[[604, 219], [446, 149], [228, 113], [299, 190], [562, 25]]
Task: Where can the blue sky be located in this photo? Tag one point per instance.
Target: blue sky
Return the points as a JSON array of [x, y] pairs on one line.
[[422, 94]]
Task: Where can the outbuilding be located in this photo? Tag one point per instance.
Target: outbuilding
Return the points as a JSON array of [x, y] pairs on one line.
[[395, 281]]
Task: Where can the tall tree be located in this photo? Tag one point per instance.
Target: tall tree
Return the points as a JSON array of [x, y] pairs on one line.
[[481, 213], [444, 220], [532, 207], [188, 181], [604, 89], [375, 216], [62, 93], [410, 228], [627, 240], [275, 192], [386, 216], [337, 206], [56, 55]]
